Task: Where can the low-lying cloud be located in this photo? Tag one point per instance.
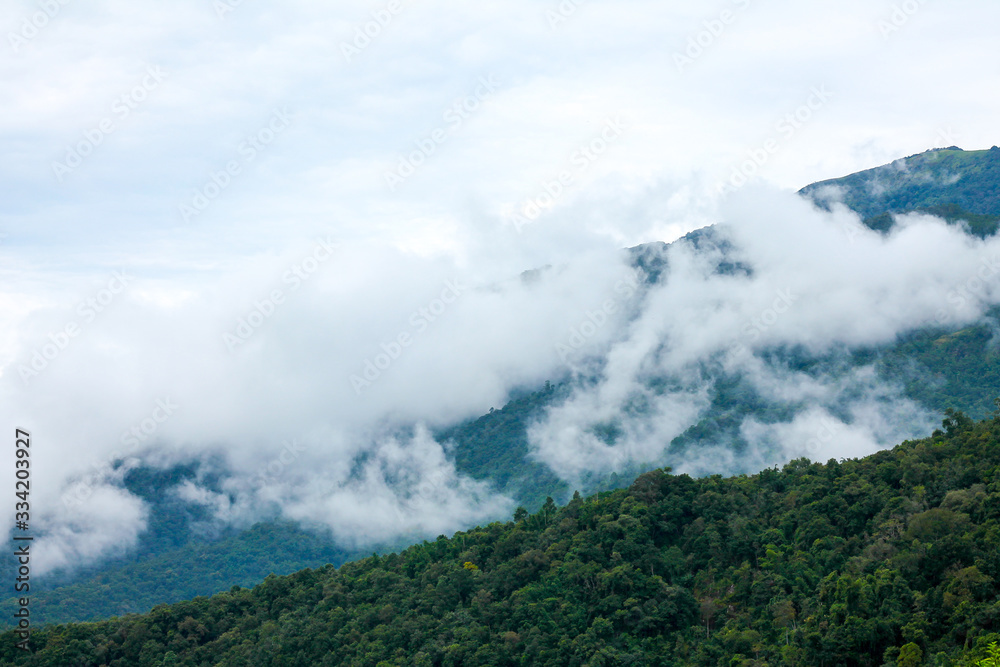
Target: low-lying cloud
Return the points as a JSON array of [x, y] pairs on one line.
[[252, 369], [155, 379], [779, 278]]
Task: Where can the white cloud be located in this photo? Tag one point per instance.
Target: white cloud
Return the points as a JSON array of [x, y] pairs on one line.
[[810, 282]]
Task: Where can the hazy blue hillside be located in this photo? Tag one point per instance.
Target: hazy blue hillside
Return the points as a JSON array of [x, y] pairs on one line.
[[181, 555], [891, 560], [198, 567]]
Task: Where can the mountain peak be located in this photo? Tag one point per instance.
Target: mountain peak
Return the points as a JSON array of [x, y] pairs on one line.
[[952, 183]]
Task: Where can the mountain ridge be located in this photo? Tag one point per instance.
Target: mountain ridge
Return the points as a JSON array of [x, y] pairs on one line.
[[939, 367], [958, 184]]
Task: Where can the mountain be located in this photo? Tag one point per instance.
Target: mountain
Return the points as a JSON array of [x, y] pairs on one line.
[[182, 555], [937, 367], [893, 559], [138, 584], [949, 183]]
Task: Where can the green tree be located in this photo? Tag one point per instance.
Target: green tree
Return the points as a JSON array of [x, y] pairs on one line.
[[910, 656], [993, 656]]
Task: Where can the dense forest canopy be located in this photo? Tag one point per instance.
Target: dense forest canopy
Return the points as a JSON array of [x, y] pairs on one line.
[[893, 559]]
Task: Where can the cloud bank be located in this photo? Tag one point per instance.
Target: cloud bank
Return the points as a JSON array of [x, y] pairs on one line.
[[779, 278]]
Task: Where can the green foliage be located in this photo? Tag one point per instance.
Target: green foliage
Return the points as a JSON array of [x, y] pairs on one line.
[[992, 658], [857, 563], [495, 447], [944, 369], [910, 656], [951, 183]]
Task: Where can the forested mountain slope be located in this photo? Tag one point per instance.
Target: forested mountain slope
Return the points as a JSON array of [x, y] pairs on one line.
[[948, 182], [893, 559]]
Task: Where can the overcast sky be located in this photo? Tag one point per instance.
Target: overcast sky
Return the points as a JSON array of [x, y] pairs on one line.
[[171, 169], [560, 72]]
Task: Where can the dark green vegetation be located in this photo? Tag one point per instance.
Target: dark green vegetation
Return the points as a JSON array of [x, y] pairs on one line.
[[495, 447], [978, 225], [948, 369], [950, 183], [938, 368], [893, 559], [181, 556]]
